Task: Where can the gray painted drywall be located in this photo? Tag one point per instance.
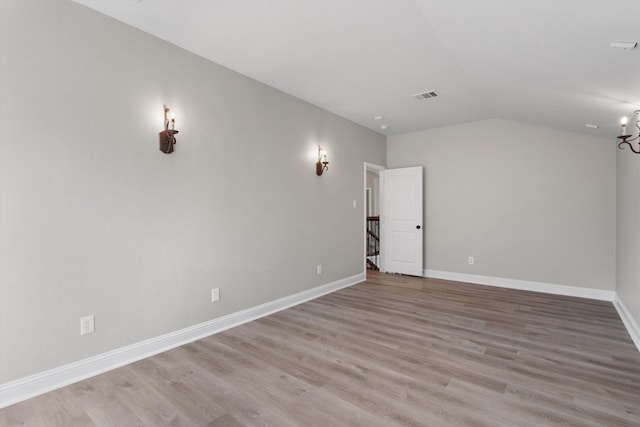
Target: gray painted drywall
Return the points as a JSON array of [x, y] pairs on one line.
[[628, 231], [529, 203], [94, 219], [373, 182]]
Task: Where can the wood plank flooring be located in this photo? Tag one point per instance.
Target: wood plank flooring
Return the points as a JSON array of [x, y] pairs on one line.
[[391, 351]]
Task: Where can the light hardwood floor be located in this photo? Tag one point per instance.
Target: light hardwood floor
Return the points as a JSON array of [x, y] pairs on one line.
[[391, 351]]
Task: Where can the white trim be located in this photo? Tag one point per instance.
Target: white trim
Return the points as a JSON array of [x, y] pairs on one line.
[[628, 320], [31, 386], [373, 167], [548, 288]]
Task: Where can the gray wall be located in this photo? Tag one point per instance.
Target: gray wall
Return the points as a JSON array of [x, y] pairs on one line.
[[373, 182], [628, 231], [529, 203], [94, 219]]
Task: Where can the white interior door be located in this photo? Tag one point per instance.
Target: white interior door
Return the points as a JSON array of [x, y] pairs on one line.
[[402, 220]]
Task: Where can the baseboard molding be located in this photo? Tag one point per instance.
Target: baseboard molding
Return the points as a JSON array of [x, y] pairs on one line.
[[34, 385], [628, 320], [524, 285]]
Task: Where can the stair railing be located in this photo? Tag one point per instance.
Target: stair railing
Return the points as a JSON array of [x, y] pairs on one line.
[[373, 242]]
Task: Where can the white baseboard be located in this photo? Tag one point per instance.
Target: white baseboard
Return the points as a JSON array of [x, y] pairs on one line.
[[548, 288], [34, 385], [628, 320], [573, 291]]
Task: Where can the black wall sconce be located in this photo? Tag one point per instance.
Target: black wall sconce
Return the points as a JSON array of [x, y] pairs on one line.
[[167, 136], [626, 139], [322, 163]]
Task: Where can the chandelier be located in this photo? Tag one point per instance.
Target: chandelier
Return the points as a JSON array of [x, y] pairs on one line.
[[626, 139]]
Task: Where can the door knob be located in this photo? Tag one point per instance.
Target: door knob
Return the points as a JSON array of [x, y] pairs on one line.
[[418, 227]]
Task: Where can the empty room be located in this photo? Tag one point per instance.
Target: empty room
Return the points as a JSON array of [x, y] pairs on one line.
[[320, 213]]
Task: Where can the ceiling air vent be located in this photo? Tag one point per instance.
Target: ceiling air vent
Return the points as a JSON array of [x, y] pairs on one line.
[[426, 95]]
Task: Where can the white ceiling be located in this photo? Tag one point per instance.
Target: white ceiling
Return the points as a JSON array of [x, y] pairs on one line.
[[545, 62]]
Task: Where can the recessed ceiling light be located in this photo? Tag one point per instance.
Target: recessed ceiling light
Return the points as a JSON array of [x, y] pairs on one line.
[[623, 45], [378, 118], [384, 127], [592, 126]]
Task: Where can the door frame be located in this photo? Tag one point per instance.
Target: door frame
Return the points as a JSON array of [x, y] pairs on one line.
[[371, 167]]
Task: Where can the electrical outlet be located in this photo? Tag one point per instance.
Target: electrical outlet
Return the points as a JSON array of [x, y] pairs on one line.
[[471, 260], [355, 204], [87, 325], [319, 269], [215, 294]]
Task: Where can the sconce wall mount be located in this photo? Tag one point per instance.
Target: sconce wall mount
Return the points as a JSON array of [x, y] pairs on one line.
[[167, 136], [322, 164], [626, 138]]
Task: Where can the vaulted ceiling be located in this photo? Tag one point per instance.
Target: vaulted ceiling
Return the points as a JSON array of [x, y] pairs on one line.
[[545, 62]]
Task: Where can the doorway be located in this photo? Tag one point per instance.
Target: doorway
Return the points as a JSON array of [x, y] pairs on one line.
[[372, 206], [393, 219]]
